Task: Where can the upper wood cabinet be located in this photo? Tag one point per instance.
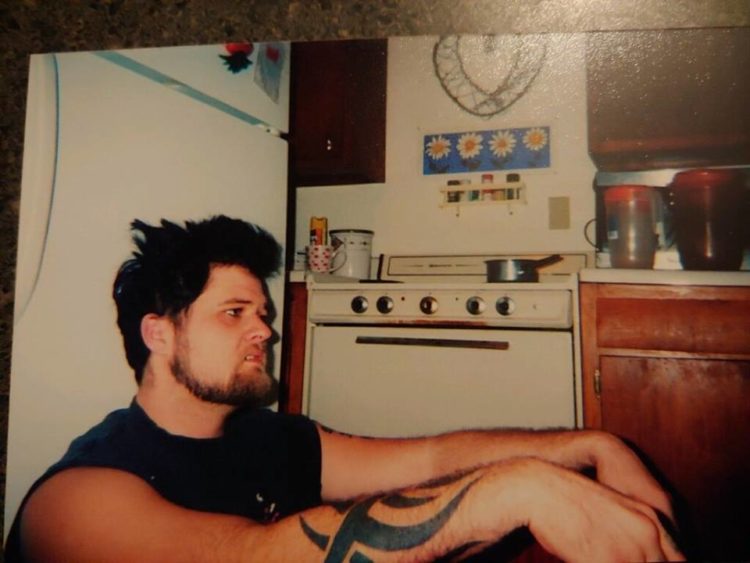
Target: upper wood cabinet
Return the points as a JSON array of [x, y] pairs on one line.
[[668, 98], [667, 368], [337, 113]]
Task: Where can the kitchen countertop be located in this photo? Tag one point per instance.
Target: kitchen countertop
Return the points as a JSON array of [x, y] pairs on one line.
[[665, 277], [297, 276], [614, 275]]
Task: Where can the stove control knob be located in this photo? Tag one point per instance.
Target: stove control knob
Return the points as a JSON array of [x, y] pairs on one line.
[[359, 304], [505, 306], [384, 304], [475, 305], [428, 305]]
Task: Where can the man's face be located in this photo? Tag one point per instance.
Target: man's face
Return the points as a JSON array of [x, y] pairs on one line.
[[220, 341]]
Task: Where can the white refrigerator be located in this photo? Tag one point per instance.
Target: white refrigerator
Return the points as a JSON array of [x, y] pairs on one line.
[[177, 133]]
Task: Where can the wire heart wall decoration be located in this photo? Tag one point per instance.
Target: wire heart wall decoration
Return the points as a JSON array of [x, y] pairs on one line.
[[485, 74]]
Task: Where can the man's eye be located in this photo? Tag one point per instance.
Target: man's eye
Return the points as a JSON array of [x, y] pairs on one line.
[[234, 312]]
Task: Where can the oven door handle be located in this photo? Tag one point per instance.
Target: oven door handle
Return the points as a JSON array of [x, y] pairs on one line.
[[434, 342]]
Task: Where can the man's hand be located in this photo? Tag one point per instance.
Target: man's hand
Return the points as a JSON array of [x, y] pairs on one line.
[[619, 468], [577, 519]]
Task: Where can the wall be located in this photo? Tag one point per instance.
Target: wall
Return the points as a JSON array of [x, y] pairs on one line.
[[404, 212]]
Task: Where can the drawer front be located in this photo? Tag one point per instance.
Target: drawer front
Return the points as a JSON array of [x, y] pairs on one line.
[[720, 326]]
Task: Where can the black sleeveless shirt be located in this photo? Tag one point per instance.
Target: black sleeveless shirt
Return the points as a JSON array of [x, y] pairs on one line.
[[265, 466]]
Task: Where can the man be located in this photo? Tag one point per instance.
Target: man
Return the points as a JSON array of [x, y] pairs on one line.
[[194, 470]]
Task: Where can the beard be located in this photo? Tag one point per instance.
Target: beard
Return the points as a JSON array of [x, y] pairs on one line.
[[255, 389]]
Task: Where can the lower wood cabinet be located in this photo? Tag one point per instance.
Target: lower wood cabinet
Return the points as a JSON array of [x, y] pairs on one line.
[[667, 368]]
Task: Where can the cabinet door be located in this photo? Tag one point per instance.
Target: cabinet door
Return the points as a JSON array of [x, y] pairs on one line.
[[668, 369], [691, 418], [669, 99], [337, 116]]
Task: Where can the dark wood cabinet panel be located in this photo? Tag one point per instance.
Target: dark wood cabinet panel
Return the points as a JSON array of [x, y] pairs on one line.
[[293, 348], [712, 326], [691, 418], [337, 116], [668, 98], [668, 369]]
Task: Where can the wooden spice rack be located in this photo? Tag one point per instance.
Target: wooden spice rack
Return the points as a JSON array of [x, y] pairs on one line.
[[483, 194]]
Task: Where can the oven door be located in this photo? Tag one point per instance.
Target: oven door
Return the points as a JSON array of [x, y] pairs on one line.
[[392, 381]]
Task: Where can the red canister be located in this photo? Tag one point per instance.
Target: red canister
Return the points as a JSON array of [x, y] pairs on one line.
[[708, 210], [631, 232]]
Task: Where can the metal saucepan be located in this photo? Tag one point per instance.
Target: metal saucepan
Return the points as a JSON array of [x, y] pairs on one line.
[[516, 269]]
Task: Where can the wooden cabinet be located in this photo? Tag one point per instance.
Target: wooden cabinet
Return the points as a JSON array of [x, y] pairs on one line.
[[667, 368], [293, 348], [668, 98], [337, 116]]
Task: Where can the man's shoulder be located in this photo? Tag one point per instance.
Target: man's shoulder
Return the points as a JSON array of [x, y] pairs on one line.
[[116, 442], [90, 451], [101, 436]]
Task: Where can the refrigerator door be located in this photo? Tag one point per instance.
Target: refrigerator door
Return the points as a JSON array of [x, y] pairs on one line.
[[127, 147], [255, 82]]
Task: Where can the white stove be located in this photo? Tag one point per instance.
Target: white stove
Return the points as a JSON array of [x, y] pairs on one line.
[[431, 346]]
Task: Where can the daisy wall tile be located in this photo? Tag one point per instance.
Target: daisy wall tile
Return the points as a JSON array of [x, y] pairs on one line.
[[479, 151]]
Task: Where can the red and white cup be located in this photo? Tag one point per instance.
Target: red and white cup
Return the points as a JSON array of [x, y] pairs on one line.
[[320, 257]]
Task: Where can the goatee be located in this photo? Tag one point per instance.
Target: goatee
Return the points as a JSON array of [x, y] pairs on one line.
[[258, 390]]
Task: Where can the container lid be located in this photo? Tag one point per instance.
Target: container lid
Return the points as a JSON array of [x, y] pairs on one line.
[[360, 231], [707, 178], [627, 192]]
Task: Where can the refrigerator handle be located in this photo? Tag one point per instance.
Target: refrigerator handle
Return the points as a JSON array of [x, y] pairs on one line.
[[38, 181]]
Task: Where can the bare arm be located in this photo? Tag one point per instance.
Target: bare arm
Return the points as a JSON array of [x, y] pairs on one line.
[[354, 466], [93, 514], [96, 514]]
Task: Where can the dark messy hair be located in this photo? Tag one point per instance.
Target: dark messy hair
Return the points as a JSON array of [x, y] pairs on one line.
[[171, 267]]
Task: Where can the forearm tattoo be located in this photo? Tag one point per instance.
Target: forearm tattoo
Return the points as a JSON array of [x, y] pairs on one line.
[[360, 528]]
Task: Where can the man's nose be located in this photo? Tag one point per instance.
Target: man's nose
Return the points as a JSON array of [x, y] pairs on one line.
[[258, 330]]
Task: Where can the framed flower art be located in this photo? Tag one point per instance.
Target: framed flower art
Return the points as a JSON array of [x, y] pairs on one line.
[[479, 151]]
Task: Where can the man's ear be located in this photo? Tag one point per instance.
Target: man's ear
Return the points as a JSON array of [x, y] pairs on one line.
[[157, 333]]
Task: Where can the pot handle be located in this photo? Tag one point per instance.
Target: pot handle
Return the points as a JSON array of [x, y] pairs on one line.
[[554, 259], [586, 232]]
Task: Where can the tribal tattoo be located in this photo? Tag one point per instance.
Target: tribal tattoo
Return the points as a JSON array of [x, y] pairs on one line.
[[358, 527]]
